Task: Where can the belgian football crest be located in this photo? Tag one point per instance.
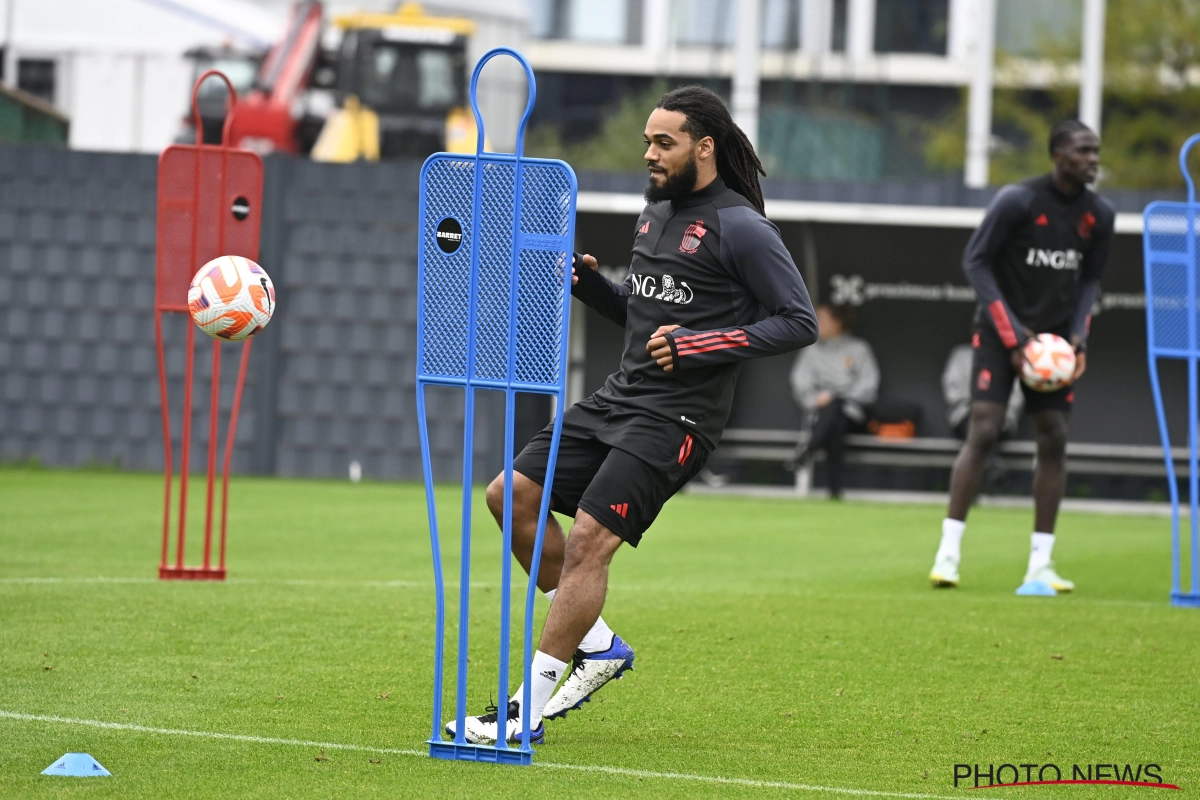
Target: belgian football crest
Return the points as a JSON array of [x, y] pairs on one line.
[[1086, 223], [692, 236]]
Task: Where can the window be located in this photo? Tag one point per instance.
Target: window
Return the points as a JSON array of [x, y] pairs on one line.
[[911, 26], [600, 21], [542, 19], [240, 71], [1024, 27], [708, 23], [841, 14], [438, 84], [396, 77], [781, 24], [36, 76]]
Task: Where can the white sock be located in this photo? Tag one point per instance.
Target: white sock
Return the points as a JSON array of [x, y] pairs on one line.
[[545, 675], [1041, 545], [598, 639], [952, 533], [550, 595]]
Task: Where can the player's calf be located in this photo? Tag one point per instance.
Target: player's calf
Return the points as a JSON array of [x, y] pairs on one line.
[[527, 500]]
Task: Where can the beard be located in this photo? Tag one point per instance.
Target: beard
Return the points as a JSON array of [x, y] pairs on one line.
[[674, 186]]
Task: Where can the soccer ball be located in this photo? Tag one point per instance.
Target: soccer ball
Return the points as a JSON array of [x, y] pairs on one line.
[[1049, 363], [231, 298]]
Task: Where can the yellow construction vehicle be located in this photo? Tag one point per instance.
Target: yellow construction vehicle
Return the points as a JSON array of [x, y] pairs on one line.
[[400, 89]]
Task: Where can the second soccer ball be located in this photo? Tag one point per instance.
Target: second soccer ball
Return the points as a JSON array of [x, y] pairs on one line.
[[1049, 363]]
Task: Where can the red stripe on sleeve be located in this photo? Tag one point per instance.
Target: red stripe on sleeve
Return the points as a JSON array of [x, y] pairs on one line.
[[697, 338], [704, 348], [1003, 326]]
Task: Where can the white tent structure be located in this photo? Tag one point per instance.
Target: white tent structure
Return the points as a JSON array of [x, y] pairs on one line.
[[117, 67]]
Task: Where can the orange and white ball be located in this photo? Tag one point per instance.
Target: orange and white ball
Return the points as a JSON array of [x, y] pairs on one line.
[[231, 298], [1049, 363]]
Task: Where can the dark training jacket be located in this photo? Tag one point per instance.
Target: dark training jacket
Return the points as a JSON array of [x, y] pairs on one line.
[[706, 262], [1036, 259]]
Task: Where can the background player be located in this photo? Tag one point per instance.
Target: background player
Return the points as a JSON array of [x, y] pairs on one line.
[[705, 261], [1035, 263]]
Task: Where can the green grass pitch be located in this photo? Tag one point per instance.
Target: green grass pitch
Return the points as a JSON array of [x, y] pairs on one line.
[[783, 644]]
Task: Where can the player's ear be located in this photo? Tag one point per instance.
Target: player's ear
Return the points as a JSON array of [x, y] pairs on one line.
[[705, 148]]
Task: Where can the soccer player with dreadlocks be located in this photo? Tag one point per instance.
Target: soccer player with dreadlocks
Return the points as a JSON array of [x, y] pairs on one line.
[[705, 262]]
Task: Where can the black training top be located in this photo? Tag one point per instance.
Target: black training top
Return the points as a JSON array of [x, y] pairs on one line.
[[706, 262], [1035, 260]]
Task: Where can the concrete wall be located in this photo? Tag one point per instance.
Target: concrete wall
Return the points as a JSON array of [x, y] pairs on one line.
[[330, 381]]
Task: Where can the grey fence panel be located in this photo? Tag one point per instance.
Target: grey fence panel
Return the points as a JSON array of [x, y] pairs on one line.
[[348, 301], [330, 381], [78, 370]]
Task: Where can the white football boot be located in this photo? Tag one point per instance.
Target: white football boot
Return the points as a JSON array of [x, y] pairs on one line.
[[944, 574], [483, 729], [590, 672], [1051, 578]]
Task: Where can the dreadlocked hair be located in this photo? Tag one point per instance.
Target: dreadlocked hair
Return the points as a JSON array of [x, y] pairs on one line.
[[737, 163]]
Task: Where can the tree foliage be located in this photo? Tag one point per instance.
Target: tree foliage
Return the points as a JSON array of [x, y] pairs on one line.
[[617, 147], [1151, 100]]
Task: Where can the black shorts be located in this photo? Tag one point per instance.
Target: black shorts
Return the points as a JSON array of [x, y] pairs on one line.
[[619, 465], [992, 375]]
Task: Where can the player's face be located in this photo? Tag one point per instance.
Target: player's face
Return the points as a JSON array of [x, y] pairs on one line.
[[1079, 158], [828, 325], [669, 149]]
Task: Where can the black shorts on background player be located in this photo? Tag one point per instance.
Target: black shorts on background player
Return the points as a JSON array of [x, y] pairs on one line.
[[992, 375], [619, 465]]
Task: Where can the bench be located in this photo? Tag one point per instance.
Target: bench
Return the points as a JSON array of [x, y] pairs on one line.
[[757, 444]]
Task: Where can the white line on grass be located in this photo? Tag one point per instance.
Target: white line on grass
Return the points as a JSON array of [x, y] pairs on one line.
[[631, 773], [334, 583], [79, 579]]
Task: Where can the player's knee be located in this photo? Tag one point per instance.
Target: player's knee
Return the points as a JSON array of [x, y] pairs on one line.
[[527, 495], [495, 495], [589, 544], [1052, 443], [985, 431]]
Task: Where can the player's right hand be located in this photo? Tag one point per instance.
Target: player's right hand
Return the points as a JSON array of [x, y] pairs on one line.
[[588, 261], [1019, 359], [1018, 352]]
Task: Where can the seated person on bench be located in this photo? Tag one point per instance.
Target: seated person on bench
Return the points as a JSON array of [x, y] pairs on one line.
[[834, 381]]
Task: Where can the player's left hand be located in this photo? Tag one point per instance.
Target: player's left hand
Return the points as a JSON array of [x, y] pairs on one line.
[[1080, 366], [589, 261], [660, 348]]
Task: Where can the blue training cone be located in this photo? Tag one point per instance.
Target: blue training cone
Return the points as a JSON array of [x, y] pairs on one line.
[[1036, 589], [77, 765]]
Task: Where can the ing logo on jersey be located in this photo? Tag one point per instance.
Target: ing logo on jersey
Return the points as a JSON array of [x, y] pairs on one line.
[[647, 285], [692, 236], [1054, 259]]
